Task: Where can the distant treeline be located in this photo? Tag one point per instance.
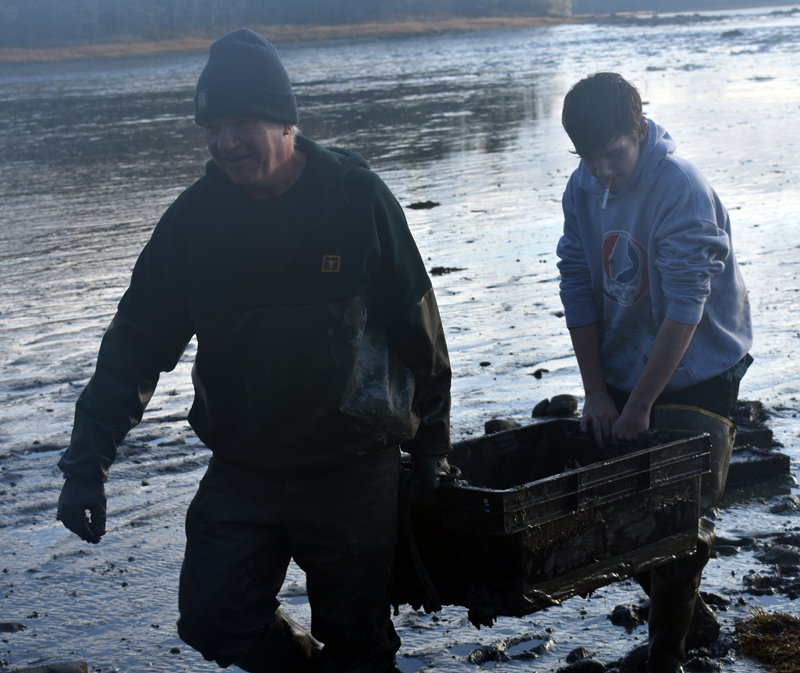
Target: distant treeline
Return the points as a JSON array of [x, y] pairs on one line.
[[55, 23]]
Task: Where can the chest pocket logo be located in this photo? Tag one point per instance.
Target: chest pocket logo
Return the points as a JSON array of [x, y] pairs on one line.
[[331, 263]]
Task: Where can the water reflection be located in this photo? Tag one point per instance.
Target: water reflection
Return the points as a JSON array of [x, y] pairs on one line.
[[420, 122], [50, 140], [150, 134]]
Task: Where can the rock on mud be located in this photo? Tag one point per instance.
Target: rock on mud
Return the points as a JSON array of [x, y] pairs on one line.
[[558, 405], [71, 667], [423, 205], [498, 425]]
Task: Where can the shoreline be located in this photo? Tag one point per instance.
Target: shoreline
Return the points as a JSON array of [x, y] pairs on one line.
[[283, 35], [287, 34]]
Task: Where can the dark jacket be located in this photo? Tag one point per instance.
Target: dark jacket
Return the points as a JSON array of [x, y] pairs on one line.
[[318, 334]]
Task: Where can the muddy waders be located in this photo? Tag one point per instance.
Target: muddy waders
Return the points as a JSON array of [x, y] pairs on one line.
[[286, 647], [673, 588], [721, 433]]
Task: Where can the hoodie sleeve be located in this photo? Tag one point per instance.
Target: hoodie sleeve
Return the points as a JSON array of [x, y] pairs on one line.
[[576, 288], [692, 244]]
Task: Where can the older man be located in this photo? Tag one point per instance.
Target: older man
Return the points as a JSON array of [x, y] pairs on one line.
[[319, 353]]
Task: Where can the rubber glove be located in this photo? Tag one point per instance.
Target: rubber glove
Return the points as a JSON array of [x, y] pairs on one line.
[[77, 497], [427, 472]]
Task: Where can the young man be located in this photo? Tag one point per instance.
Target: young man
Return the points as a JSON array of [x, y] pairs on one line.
[[319, 352], [653, 298]]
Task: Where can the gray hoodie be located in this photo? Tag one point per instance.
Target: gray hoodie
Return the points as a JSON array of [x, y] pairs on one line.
[[661, 248]]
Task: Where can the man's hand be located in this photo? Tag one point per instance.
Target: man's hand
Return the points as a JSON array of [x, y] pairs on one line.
[[76, 498], [631, 422], [600, 414], [427, 472]]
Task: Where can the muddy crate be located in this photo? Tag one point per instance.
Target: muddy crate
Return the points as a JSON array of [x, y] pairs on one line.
[[541, 514]]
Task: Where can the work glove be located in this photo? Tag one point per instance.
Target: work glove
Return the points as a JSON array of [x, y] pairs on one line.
[[77, 497], [427, 473]]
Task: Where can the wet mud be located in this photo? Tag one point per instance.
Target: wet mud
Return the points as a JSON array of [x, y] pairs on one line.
[[135, 567]]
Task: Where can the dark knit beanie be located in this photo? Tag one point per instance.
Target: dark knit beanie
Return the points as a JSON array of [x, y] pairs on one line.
[[244, 77]]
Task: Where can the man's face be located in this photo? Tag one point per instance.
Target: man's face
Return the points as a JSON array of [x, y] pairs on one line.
[[253, 153], [616, 161]]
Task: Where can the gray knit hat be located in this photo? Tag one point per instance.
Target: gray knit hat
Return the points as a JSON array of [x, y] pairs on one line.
[[244, 77]]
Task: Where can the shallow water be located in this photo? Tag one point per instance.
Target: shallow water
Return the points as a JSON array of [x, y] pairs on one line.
[[92, 152]]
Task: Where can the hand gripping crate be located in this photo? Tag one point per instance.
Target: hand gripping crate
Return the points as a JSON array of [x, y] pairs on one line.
[[541, 514]]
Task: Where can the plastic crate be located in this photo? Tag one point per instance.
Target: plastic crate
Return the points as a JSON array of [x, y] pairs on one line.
[[544, 515]]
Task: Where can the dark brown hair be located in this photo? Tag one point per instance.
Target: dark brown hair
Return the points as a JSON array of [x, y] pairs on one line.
[[598, 110]]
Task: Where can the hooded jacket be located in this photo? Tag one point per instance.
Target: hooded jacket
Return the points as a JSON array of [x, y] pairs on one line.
[[660, 249], [318, 334]]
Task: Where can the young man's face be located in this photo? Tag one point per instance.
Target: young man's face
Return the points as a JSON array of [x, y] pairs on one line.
[[616, 161]]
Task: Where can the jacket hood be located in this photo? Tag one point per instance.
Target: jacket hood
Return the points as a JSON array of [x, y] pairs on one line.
[[657, 145], [328, 169]]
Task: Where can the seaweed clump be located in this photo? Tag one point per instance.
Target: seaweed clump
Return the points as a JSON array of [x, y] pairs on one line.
[[773, 639]]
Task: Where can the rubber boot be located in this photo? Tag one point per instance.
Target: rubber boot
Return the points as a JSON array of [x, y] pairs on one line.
[[286, 647], [721, 433], [705, 628], [673, 594]]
